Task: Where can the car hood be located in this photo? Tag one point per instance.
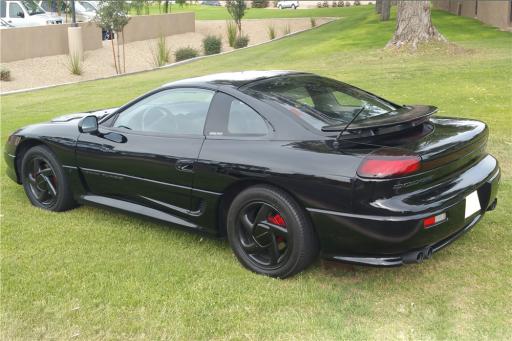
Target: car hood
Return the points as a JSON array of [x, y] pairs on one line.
[[77, 116]]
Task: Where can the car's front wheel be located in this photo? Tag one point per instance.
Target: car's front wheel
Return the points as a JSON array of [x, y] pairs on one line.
[[44, 181], [270, 233]]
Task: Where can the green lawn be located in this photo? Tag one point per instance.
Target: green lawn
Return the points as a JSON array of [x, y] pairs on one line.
[[94, 274], [221, 13]]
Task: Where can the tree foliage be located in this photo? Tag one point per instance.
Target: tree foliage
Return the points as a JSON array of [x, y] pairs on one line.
[[112, 16], [236, 9]]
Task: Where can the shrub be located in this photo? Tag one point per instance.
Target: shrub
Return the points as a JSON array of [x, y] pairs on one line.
[[5, 74], [287, 30], [357, 3], [259, 3], [347, 3], [325, 4], [232, 32], [75, 64], [212, 45], [313, 22], [319, 4], [161, 53], [334, 4], [186, 53], [341, 4], [241, 41], [271, 32]]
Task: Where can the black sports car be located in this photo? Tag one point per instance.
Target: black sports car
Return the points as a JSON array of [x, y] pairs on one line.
[[286, 164]]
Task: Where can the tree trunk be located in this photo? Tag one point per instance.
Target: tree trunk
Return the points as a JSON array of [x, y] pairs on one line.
[[385, 10], [378, 6], [118, 55], [414, 25], [124, 53], [114, 52], [166, 6]]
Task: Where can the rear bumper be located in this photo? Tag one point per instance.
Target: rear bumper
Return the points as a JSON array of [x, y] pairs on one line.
[[402, 259], [388, 240]]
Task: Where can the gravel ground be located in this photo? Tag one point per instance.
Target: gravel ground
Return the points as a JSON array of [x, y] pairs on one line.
[[52, 70]]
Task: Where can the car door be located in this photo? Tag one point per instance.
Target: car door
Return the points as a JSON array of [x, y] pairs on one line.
[[146, 153], [16, 14]]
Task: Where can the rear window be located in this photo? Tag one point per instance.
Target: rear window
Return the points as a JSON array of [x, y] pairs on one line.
[[320, 101]]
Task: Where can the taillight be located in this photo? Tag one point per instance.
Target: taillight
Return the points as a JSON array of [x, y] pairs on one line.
[[383, 165]]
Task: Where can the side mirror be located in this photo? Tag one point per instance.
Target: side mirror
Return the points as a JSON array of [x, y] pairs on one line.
[[20, 15], [88, 125]]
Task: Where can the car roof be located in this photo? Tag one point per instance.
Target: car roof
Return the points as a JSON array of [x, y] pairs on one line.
[[235, 79]]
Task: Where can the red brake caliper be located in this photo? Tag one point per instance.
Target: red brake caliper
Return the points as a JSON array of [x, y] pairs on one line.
[[277, 220]]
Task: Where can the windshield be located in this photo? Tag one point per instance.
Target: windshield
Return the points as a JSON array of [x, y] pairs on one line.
[[32, 7], [87, 6], [320, 101]]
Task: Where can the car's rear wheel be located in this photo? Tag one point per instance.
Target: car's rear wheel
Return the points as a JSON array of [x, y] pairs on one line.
[[44, 181], [270, 233]]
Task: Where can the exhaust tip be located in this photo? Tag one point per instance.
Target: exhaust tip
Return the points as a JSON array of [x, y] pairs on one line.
[[420, 257], [428, 252]]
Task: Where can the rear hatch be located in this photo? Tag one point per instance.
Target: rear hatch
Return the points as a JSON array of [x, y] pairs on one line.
[[445, 147]]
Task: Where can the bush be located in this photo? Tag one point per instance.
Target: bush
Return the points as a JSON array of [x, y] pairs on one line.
[[319, 4], [5, 74], [313, 22], [347, 3], [75, 64], [185, 53], [241, 41], [334, 4], [232, 32], [212, 45], [357, 3], [271, 32], [161, 54], [341, 4], [325, 4], [259, 3]]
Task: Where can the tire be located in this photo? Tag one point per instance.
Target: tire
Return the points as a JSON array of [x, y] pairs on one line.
[[44, 181], [270, 233]]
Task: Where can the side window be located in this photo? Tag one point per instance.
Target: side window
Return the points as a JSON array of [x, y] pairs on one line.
[[243, 120], [176, 112], [15, 10], [231, 117]]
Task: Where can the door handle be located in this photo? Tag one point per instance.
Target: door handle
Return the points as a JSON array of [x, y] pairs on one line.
[[185, 166]]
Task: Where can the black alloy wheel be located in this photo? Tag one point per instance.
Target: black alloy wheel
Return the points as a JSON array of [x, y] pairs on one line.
[[270, 233], [44, 181]]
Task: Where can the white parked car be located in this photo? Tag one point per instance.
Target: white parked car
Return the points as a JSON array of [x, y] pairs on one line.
[[287, 4], [22, 13], [83, 12]]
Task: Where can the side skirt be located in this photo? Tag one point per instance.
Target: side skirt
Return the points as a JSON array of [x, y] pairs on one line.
[[140, 210]]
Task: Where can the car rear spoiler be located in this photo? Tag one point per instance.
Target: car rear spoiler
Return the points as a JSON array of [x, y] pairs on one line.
[[407, 116]]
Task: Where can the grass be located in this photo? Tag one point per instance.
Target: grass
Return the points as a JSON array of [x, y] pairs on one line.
[[94, 273]]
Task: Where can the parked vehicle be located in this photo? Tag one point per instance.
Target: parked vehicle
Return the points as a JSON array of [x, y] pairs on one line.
[[21, 13], [211, 3], [286, 164], [287, 4], [83, 13], [5, 24], [90, 6]]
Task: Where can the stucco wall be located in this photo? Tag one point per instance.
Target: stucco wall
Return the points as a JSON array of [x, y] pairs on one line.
[[48, 40], [492, 12], [40, 41], [496, 13], [145, 27]]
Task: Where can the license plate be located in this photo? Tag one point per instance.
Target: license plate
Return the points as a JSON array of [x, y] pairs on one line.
[[472, 204]]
